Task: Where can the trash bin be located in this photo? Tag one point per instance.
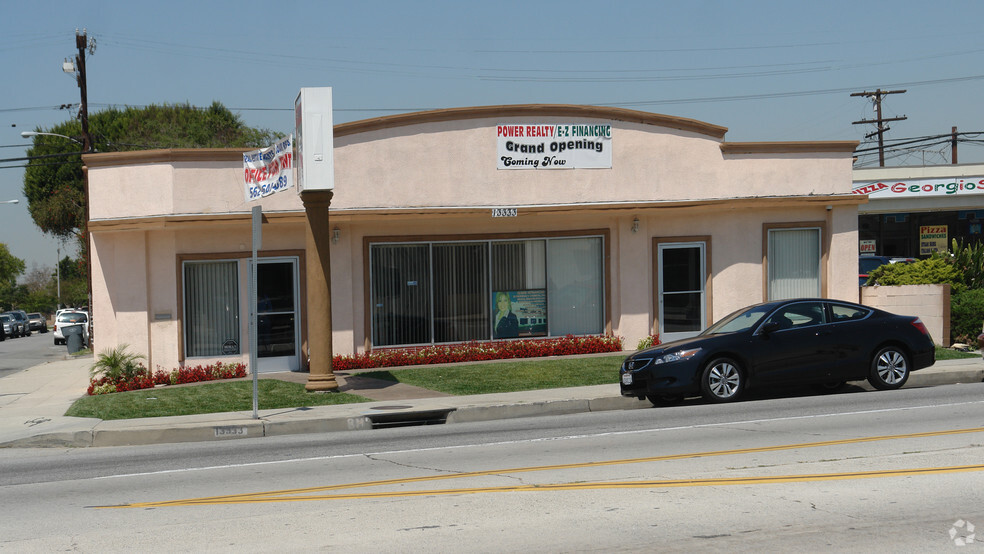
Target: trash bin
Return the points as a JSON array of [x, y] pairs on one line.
[[73, 338]]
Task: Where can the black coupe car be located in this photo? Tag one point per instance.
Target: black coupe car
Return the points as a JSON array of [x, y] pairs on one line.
[[822, 342]]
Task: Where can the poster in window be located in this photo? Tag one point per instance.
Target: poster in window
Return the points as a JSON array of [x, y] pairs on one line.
[[519, 313]]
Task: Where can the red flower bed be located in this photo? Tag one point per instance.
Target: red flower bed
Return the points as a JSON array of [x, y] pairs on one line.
[[478, 351], [145, 380]]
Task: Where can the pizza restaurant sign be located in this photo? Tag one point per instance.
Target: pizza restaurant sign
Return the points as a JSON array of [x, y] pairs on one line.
[[569, 146], [915, 188]]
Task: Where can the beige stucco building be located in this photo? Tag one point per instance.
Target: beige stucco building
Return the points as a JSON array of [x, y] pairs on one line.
[[653, 224]]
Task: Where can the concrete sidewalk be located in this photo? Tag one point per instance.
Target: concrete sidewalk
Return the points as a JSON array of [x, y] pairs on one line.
[[33, 403]]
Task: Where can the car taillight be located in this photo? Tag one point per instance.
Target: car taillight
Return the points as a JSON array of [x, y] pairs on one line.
[[918, 324]]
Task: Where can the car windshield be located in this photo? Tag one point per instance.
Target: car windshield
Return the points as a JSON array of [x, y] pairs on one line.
[[742, 320], [71, 318], [34, 316]]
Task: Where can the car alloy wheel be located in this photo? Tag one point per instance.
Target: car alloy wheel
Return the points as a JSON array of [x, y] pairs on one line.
[[722, 380], [889, 369]]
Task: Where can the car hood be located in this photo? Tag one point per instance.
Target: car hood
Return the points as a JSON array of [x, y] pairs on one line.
[[673, 346]]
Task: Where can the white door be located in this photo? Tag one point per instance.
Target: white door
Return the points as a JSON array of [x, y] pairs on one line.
[[681, 290]]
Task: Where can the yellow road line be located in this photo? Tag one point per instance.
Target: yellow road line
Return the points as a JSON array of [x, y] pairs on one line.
[[285, 495]]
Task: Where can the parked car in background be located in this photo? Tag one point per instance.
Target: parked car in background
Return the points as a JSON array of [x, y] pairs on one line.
[[68, 319], [867, 264], [21, 327], [805, 341], [38, 322], [4, 326]]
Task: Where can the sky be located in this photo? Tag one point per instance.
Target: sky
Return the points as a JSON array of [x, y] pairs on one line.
[[766, 70]]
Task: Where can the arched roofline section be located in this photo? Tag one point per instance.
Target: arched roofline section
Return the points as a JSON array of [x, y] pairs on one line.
[[530, 111]]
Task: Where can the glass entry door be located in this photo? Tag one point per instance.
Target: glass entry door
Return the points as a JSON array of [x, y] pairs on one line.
[[681, 290], [277, 315]]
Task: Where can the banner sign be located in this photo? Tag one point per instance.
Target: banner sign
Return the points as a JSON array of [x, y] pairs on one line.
[[932, 238], [572, 146], [912, 188], [269, 170]]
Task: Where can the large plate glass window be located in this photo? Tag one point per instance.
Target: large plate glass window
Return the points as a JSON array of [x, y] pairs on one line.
[[793, 263], [681, 290], [211, 308], [454, 291]]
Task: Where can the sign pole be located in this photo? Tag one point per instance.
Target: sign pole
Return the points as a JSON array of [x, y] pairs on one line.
[[257, 244]]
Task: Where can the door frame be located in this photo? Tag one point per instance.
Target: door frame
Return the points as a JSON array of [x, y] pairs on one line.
[[659, 243], [292, 362]]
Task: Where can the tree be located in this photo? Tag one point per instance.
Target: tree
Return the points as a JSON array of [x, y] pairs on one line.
[[10, 267], [53, 180]]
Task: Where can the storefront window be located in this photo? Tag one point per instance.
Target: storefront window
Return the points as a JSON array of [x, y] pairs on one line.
[[211, 310], [794, 263], [451, 292]]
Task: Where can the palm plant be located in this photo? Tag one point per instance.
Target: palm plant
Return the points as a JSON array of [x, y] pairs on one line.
[[116, 364]]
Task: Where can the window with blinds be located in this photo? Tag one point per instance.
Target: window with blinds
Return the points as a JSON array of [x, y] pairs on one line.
[[424, 293], [211, 307], [793, 263]]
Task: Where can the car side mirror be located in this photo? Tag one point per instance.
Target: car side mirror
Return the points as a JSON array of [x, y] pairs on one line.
[[770, 327]]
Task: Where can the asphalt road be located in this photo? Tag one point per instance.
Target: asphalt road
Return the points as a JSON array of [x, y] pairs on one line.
[[20, 353], [858, 471]]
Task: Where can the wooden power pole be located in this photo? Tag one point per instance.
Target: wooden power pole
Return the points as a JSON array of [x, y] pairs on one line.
[[879, 121]]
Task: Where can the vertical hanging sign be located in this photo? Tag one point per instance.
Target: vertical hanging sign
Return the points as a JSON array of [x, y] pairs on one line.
[[269, 170]]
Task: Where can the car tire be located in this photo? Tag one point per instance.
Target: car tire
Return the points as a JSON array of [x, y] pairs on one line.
[[722, 380], [658, 400], [889, 368]]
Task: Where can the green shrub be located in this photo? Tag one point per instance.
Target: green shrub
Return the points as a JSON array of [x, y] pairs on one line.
[[931, 271], [966, 316], [969, 259], [648, 342]]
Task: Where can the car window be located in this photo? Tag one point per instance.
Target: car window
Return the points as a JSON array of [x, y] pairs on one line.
[[741, 320], [71, 318], [841, 312], [800, 314], [867, 265]]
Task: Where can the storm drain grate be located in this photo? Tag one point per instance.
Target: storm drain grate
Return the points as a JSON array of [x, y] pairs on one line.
[[409, 419]]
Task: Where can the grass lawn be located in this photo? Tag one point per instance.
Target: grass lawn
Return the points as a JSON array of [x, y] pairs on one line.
[[465, 379], [948, 354], [207, 398], [511, 376]]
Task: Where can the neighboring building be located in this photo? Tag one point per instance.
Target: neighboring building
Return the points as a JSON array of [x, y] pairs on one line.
[[649, 224], [913, 211]]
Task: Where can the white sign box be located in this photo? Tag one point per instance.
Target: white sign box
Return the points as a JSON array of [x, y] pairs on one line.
[[314, 139]]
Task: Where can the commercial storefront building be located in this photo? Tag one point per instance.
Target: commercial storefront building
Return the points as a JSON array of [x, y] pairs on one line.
[[486, 223], [914, 211]]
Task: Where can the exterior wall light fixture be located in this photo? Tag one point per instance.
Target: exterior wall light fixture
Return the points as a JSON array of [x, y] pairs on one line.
[[336, 233], [635, 225]]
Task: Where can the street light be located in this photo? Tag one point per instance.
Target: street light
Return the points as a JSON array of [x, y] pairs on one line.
[[29, 134], [14, 201]]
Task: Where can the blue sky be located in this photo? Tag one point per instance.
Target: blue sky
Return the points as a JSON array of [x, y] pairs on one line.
[[769, 71]]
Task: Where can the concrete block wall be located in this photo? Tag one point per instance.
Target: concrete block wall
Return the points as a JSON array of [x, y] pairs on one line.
[[930, 302]]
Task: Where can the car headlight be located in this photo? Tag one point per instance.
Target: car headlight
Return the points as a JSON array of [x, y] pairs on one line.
[[676, 356]]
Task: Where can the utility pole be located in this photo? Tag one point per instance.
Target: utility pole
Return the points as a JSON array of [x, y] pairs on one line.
[[83, 43], [879, 121], [953, 145]]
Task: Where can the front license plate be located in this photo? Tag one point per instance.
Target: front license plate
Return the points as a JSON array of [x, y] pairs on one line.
[[626, 378]]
